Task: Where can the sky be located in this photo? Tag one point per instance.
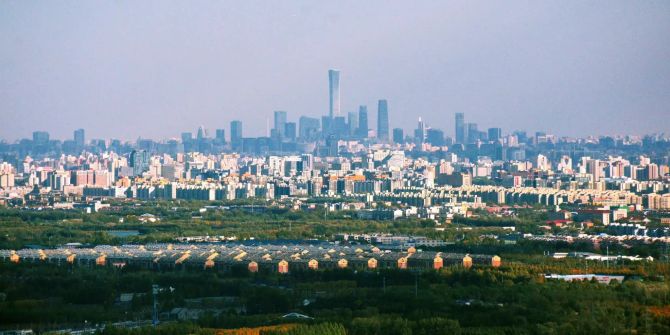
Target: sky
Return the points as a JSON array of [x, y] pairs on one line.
[[153, 69]]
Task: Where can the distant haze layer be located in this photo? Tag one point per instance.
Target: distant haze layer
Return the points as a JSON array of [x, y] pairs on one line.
[[152, 69]]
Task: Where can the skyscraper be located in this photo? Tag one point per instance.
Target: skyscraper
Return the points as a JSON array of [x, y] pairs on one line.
[[382, 120], [353, 123], [521, 136], [334, 93], [139, 161], [435, 137], [472, 132], [236, 134], [221, 135], [495, 134], [40, 137], [308, 127], [338, 126], [326, 122], [398, 135], [363, 122], [79, 138], [202, 132], [420, 132], [280, 123], [290, 131], [460, 128]]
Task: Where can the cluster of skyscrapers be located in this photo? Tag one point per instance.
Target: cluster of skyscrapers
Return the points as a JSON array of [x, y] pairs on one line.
[[314, 135], [320, 136], [309, 134], [469, 133]]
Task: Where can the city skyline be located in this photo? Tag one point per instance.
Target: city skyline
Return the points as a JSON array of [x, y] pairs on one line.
[[352, 126], [349, 167], [163, 70], [281, 119]]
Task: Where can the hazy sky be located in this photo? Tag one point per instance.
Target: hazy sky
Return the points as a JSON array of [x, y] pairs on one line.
[[126, 69]]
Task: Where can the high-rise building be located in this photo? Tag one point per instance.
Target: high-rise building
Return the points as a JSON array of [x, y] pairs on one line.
[[186, 137], [139, 161], [79, 139], [338, 126], [420, 132], [331, 145], [472, 132], [221, 135], [202, 144], [398, 136], [353, 123], [326, 125], [280, 123], [521, 136], [307, 161], [40, 137], [236, 130], [308, 127], [202, 132], [334, 93], [290, 131], [363, 126], [460, 128], [495, 134], [593, 167], [382, 120], [435, 137], [543, 163], [236, 134], [500, 152]]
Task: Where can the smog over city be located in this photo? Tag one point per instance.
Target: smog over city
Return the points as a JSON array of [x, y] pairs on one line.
[[347, 167]]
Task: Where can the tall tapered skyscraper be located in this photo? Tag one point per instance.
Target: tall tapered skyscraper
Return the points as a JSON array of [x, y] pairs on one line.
[[383, 120], [334, 93]]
